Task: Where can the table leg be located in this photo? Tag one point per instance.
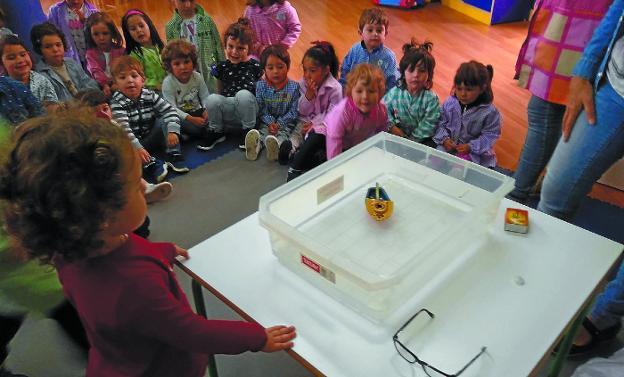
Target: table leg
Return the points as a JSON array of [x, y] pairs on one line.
[[200, 306], [566, 342]]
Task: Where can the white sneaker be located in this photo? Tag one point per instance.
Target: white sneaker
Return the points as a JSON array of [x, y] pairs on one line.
[[157, 192], [252, 145], [272, 147]]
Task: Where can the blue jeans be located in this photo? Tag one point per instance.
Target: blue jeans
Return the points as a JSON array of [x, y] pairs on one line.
[[156, 139], [609, 307], [590, 151], [544, 132]]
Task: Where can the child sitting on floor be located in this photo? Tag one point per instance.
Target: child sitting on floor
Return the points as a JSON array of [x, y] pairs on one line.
[[72, 192], [470, 124], [104, 44]]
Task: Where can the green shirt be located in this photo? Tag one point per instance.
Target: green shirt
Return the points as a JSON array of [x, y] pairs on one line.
[[416, 115], [152, 66]]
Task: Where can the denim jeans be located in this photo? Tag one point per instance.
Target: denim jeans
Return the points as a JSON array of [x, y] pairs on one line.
[[609, 307], [544, 132], [157, 139], [590, 151], [240, 109]]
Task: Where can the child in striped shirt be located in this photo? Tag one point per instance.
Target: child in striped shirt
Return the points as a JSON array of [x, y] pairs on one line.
[[277, 98], [413, 108], [470, 124], [274, 22], [150, 121]]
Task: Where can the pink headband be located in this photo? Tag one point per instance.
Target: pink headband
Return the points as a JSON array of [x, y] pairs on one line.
[[134, 13]]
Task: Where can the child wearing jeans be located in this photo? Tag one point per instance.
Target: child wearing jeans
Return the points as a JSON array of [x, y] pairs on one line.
[[237, 77], [70, 16], [148, 118], [144, 44], [277, 98], [185, 88], [67, 76], [274, 22], [191, 22], [358, 116], [137, 318], [470, 124], [413, 108], [104, 44], [373, 29]]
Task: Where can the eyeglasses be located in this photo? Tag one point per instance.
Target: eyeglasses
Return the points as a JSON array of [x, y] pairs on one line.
[[411, 358]]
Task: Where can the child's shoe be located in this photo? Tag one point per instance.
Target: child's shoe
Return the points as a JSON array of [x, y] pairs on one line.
[[176, 162], [272, 147], [285, 151], [252, 145], [157, 192], [210, 140], [155, 171], [293, 173]]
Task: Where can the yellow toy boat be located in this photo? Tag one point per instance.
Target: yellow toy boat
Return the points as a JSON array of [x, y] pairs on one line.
[[378, 203]]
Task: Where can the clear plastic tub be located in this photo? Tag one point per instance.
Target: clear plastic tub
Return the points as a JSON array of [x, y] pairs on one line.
[[320, 229]]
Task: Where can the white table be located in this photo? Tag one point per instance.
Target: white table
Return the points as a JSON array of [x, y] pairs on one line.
[[485, 304]]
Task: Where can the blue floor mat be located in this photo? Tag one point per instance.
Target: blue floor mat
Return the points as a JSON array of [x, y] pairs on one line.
[[195, 158]]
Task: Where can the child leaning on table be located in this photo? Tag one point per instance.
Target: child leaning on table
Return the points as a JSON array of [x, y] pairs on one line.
[[72, 192]]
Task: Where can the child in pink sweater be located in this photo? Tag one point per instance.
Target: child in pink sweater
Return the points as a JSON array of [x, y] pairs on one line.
[[274, 22]]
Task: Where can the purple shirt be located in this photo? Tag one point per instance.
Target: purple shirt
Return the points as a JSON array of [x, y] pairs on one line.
[[327, 96], [275, 24], [346, 126], [57, 14], [479, 126]]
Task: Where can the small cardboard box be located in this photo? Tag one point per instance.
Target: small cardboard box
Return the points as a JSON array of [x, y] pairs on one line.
[[516, 220]]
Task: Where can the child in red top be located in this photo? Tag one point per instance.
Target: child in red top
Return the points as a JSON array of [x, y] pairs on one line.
[[73, 195]]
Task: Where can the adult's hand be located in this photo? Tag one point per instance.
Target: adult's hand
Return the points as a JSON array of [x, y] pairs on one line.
[[580, 96]]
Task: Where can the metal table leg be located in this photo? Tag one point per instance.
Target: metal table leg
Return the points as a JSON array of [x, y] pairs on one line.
[[201, 310], [566, 343]]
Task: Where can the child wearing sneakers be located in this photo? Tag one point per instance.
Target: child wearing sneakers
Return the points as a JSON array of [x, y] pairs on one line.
[[277, 98], [237, 77], [373, 29], [185, 88], [148, 118]]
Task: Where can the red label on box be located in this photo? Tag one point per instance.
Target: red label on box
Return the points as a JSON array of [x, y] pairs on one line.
[[310, 263]]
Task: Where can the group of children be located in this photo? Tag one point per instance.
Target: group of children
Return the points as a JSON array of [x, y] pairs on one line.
[[194, 85]]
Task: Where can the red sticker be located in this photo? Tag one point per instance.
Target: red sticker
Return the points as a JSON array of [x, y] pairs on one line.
[[311, 264]]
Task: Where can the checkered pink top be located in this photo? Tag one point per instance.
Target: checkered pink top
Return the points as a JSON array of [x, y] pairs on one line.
[[275, 24]]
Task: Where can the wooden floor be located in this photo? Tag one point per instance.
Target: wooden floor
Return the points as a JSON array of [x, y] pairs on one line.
[[456, 38]]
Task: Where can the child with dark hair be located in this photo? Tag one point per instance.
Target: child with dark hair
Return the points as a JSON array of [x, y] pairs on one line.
[[191, 22], [413, 108], [73, 195], [373, 29], [66, 75], [185, 88], [17, 103], [470, 124], [17, 63], [144, 44], [104, 44], [150, 121], [70, 16], [320, 92], [274, 22], [277, 98], [237, 75], [358, 116]]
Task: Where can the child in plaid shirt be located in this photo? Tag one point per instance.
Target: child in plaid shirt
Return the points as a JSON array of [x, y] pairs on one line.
[[274, 22], [277, 99], [191, 22], [413, 108]]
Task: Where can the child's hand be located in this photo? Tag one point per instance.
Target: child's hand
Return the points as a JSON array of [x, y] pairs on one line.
[[397, 131], [205, 116], [180, 252], [273, 128], [197, 121], [311, 90], [307, 126], [279, 338], [449, 145], [463, 148], [172, 139], [107, 90], [144, 154]]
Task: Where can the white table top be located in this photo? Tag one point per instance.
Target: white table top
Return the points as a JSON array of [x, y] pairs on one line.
[[485, 304]]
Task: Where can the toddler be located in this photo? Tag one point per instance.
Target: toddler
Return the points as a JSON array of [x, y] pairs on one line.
[[274, 22], [373, 29], [73, 194], [150, 121], [237, 77], [470, 124], [104, 43], [413, 108], [277, 98], [191, 22], [358, 116], [143, 43], [70, 16]]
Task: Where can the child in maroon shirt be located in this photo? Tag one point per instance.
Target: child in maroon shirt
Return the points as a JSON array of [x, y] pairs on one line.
[[73, 195]]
